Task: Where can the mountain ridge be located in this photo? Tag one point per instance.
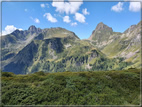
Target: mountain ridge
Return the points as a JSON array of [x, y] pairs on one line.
[[126, 45], [58, 50]]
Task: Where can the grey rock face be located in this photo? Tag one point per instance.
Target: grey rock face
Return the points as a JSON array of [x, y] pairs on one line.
[[101, 29], [130, 29], [102, 26], [33, 29]]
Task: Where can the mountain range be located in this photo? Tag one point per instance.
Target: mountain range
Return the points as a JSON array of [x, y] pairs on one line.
[[59, 50]]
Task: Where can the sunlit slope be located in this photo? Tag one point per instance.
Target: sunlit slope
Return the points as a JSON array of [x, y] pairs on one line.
[[126, 45]]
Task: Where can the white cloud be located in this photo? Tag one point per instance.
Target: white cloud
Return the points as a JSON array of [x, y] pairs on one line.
[[9, 29], [42, 5], [25, 10], [134, 6], [73, 24], [36, 20], [84, 11], [66, 19], [80, 17], [118, 7], [67, 7], [50, 18], [20, 29], [58, 15]]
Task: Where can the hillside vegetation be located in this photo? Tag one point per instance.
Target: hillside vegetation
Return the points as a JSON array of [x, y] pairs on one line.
[[59, 50], [115, 44], [72, 88]]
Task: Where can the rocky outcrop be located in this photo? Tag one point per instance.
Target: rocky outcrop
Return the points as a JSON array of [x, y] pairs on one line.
[[32, 29], [132, 27], [101, 27]]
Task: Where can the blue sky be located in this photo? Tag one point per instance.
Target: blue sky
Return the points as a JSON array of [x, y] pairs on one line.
[[79, 17]]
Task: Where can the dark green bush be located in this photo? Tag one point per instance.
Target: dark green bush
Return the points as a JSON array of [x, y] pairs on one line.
[[7, 74], [72, 88], [40, 73]]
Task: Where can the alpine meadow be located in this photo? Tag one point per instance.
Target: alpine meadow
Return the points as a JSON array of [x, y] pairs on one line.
[[71, 53]]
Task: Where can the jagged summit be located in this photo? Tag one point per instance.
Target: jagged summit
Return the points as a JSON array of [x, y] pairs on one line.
[[102, 26], [100, 30], [32, 28]]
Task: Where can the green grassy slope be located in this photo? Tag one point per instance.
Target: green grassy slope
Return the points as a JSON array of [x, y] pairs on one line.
[[126, 45], [12, 43], [59, 55], [72, 88]]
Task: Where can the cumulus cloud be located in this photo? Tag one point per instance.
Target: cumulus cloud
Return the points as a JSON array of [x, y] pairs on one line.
[[50, 18], [66, 19], [118, 7], [80, 17], [58, 15], [135, 6], [36, 20], [73, 24], [84, 11], [67, 7], [9, 29]]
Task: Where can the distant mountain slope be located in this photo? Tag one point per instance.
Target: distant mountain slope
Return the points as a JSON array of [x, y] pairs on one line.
[[19, 37], [43, 38], [59, 50], [126, 45], [59, 55], [14, 42], [129, 45], [56, 32], [103, 35]]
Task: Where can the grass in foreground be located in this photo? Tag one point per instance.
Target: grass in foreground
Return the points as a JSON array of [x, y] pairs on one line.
[[72, 88]]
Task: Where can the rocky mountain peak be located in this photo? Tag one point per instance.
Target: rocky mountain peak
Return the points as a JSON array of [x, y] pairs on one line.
[[16, 31], [132, 27], [32, 28], [102, 26]]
